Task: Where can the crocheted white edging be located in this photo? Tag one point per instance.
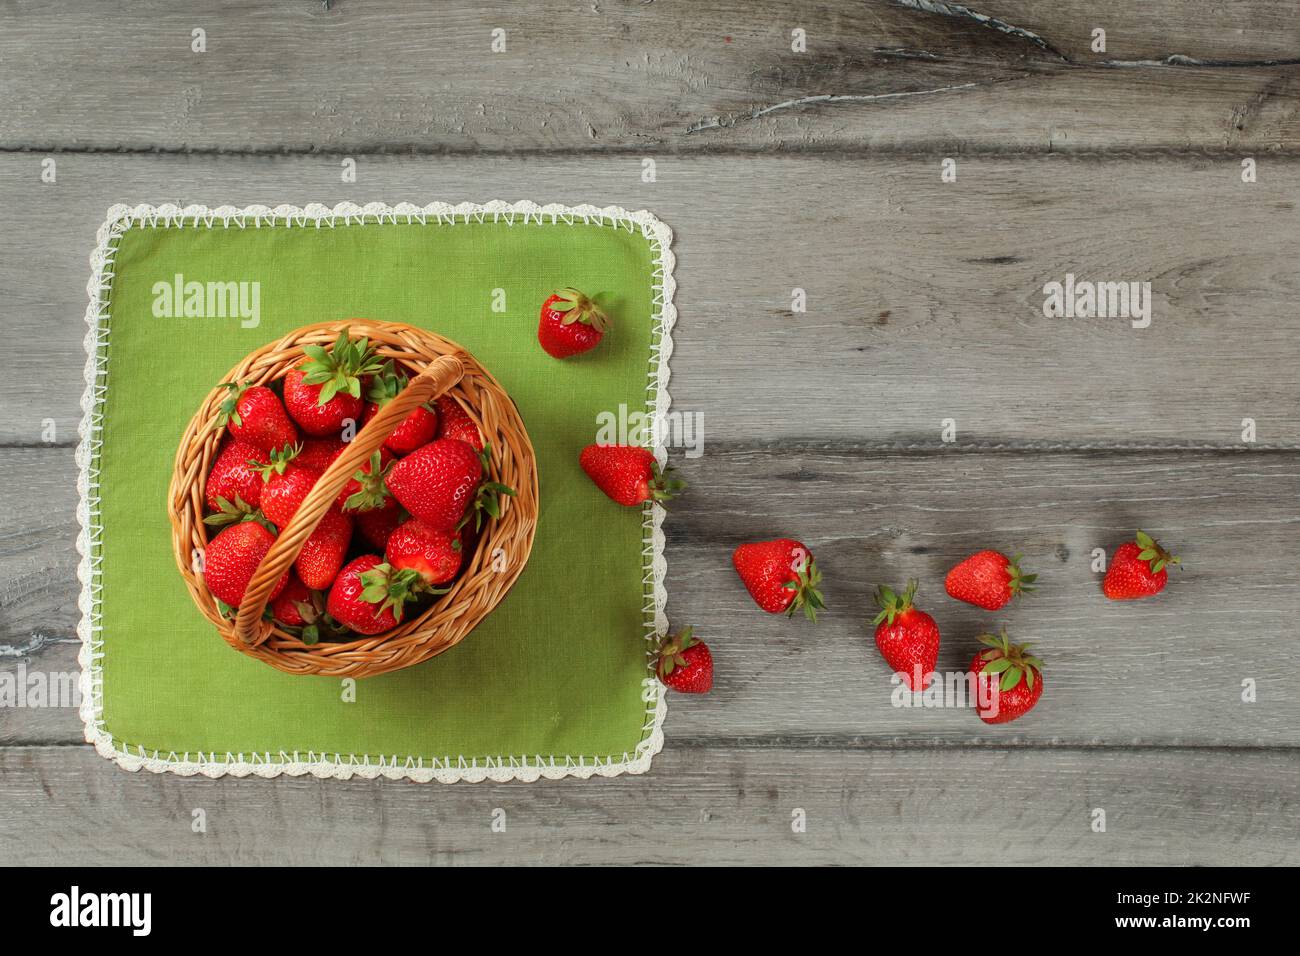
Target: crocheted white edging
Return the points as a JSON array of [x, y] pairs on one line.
[[345, 766]]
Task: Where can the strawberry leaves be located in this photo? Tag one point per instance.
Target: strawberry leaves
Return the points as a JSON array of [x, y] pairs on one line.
[[1009, 660], [1157, 558], [1020, 582], [341, 368], [488, 498], [577, 307], [807, 592], [390, 588], [892, 605], [671, 652]]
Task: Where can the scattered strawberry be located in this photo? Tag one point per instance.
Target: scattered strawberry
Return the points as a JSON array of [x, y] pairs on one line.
[[628, 474], [365, 490], [286, 485], [781, 575], [416, 429], [1138, 569], [323, 552], [685, 664], [442, 483], [907, 637], [256, 417], [319, 453], [1021, 683], [988, 579], [325, 391], [232, 557], [571, 323], [378, 524], [369, 596], [435, 555], [234, 475], [454, 422]]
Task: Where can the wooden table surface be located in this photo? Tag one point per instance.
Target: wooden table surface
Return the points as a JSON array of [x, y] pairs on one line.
[[818, 170]]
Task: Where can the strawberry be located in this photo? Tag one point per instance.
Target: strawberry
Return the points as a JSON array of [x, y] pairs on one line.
[[1021, 683], [378, 524], [286, 485], [988, 579], [685, 664], [365, 490], [628, 475], [323, 552], [1138, 569], [781, 575], [454, 422], [294, 606], [571, 323], [325, 391], [907, 637], [319, 453], [416, 429], [434, 554], [256, 417], [442, 483], [231, 558], [233, 476], [369, 595]]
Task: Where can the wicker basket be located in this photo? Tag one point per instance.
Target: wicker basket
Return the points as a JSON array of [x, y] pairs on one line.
[[442, 366]]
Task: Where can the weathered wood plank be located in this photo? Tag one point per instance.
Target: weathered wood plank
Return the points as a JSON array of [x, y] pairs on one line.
[[924, 299], [635, 76], [720, 806], [1163, 671]]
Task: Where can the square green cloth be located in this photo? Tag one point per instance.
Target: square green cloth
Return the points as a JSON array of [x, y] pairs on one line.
[[558, 680]]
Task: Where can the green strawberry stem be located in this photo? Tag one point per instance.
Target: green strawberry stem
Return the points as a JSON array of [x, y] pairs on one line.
[[341, 368], [1020, 583], [807, 594], [672, 649], [280, 459], [390, 588], [1009, 660], [663, 486], [892, 605], [373, 492], [488, 499], [235, 512], [1157, 558], [228, 410], [576, 307]]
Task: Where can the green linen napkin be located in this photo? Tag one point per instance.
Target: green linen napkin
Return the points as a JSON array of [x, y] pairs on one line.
[[558, 679]]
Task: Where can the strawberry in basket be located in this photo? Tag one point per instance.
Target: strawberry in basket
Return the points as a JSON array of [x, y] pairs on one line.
[[416, 429], [324, 392], [442, 483]]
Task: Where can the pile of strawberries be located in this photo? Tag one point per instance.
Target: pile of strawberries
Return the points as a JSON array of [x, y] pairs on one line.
[[398, 532]]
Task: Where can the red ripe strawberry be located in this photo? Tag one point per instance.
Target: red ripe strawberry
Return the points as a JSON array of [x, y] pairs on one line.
[[454, 422], [294, 605], [907, 637], [231, 558], [435, 555], [325, 391], [365, 490], [1138, 569], [323, 552], [234, 477], [988, 579], [442, 484], [319, 453], [256, 417], [416, 429], [377, 525], [1021, 683], [286, 485], [368, 595], [628, 475], [571, 323], [781, 575], [685, 664]]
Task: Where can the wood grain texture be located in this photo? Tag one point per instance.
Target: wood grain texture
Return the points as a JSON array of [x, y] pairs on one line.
[[924, 299], [698, 805], [622, 75], [1165, 671]]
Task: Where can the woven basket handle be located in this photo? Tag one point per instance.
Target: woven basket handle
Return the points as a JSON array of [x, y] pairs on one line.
[[439, 376]]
